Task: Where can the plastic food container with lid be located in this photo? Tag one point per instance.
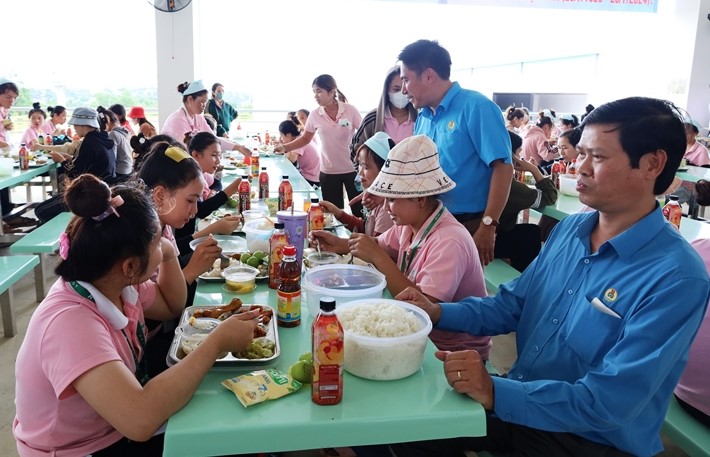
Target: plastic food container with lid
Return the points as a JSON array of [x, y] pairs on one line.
[[342, 282], [370, 351], [230, 244], [258, 232]]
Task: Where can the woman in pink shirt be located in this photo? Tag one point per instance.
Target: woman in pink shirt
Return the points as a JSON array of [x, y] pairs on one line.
[[37, 117], [536, 143], [693, 390], [427, 247], [57, 118], [81, 379], [336, 121], [695, 153], [307, 157], [189, 119]]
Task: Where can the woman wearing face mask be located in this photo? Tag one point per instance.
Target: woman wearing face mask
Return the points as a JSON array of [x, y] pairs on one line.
[[395, 115], [222, 111]]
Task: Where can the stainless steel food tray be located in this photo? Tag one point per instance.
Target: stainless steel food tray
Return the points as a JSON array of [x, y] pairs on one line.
[[175, 354]]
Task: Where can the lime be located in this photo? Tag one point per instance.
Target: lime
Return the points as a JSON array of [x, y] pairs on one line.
[[307, 356], [245, 257], [253, 262], [259, 254], [232, 203], [301, 371]]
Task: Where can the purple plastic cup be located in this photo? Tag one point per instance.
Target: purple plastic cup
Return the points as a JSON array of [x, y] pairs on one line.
[[296, 227]]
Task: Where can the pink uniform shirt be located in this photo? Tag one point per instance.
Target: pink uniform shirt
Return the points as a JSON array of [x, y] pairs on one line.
[[69, 335], [179, 123], [694, 385], [48, 128], [446, 267], [534, 146], [394, 129], [335, 136], [697, 155], [309, 162], [30, 136]]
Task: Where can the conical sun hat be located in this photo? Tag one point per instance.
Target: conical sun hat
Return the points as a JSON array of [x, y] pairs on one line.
[[412, 170]]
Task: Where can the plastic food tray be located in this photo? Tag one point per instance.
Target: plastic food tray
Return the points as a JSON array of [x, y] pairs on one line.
[[175, 354]]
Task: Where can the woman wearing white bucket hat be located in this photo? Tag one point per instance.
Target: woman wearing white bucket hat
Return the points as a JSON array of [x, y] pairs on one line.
[[427, 247]]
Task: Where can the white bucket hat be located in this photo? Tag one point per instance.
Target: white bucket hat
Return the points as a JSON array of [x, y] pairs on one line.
[[379, 144], [85, 116], [412, 170], [194, 87]]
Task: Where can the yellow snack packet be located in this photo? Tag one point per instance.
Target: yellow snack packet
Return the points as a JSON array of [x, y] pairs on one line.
[[261, 385]]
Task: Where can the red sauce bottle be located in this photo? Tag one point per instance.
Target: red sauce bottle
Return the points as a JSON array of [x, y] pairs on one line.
[[244, 194], [285, 194], [263, 184]]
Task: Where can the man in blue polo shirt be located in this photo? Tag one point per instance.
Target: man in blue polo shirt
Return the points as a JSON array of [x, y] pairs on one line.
[[604, 316], [469, 132]]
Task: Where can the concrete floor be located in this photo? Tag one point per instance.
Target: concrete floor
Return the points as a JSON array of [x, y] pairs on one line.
[[502, 356]]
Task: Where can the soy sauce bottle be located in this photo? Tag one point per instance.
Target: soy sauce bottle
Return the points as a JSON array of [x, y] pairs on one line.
[[289, 290]]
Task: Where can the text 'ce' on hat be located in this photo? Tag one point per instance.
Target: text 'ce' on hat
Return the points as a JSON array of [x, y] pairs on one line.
[[85, 116], [412, 170]]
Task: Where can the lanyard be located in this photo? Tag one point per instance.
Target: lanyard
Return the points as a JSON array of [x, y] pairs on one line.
[[142, 365], [404, 266]]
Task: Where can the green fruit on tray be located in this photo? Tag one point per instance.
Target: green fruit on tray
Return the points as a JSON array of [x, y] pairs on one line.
[[259, 254], [253, 262], [232, 203], [245, 257]]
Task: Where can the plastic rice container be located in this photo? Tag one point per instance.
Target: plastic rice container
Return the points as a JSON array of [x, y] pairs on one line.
[[370, 351], [258, 232], [342, 282]]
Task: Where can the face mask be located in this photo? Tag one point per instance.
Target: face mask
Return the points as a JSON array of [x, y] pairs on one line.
[[218, 95], [398, 99]]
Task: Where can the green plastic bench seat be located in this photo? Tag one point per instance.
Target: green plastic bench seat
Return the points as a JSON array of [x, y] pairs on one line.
[[497, 273], [687, 433], [12, 269], [43, 240]]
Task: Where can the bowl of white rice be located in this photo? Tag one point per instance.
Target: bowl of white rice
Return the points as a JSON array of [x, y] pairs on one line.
[[384, 339]]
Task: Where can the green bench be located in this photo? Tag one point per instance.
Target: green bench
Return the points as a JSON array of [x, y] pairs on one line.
[[498, 272], [687, 433], [12, 269], [43, 240]]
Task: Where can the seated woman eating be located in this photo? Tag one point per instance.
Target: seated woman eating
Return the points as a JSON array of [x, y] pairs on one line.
[[371, 156], [427, 247]]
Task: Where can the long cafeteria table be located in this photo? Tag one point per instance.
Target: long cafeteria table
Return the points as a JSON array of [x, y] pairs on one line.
[[421, 406]]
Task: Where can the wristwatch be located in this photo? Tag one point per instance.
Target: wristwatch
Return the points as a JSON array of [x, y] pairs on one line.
[[488, 220]]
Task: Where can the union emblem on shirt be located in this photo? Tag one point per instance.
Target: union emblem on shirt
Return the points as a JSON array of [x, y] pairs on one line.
[[610, 294], [451, 125]]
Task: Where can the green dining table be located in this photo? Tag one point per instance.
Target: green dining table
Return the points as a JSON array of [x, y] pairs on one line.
[[23, 176], [420, 407], [567, 204], [694, 174]]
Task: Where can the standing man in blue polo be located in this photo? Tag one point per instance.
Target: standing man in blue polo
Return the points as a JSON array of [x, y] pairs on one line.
[[468, 129]]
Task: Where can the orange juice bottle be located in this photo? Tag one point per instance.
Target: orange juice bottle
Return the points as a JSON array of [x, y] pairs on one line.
[[672, 211], [316, 217], [328, 339]]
